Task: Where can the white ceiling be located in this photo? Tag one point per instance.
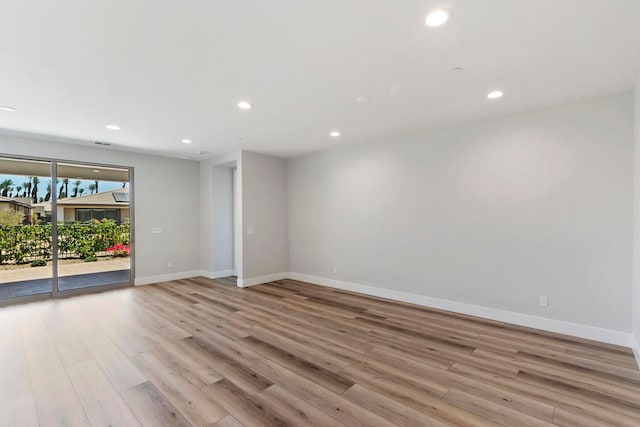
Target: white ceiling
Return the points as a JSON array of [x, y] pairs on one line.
[[165, 70]]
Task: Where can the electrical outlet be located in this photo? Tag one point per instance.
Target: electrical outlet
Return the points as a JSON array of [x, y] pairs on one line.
[[170, 264], [335, 269], [544, 301], [249, 230]]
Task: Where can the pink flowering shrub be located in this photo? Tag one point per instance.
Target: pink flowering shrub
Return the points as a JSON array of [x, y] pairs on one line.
[[119, 250]]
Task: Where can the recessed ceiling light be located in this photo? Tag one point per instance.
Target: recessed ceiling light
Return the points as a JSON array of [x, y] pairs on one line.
[[437, 18], [244, 105], [335, 134], [113, 127], [96, 171], [7, 108], [187, 141], [201, 152], [363, 99], [495, 94], [456, 70]]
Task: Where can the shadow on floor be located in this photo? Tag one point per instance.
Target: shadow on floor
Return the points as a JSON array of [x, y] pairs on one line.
[[231, 280], [80, 281]]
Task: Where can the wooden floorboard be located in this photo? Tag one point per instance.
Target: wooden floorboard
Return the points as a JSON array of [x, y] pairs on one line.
[[201, 352]]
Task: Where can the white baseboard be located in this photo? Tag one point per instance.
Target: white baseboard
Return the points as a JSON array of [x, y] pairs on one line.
[[166, 277], [610, 336], [244, 283], [635, 346], [552, 325], [217, 274]]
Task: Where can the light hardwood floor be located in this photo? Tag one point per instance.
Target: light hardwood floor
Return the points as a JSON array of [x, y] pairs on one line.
[[201, 352]]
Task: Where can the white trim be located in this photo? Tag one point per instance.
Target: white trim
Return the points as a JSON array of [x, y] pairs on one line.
[[217, 274], [166, 277], [635, 346], [244, 283], [559, 326]]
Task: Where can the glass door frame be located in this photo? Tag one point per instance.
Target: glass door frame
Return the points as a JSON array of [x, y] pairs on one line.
[[55, 293]]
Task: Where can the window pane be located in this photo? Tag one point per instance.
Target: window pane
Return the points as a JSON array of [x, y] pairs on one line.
[[113, 214], [98, 214], [83, 215]]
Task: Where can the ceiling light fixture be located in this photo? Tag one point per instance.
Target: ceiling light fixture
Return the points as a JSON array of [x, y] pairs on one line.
[[113, 127], [437, 18], [96, 171], [244, 105], [363, 99], [187, 141], [7, 108], [335, 134], [495, 94]]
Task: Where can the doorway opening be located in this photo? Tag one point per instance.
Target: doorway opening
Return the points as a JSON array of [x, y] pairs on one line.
[[226, 241]]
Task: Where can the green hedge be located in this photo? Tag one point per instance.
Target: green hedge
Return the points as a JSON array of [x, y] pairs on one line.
[[25, 243]]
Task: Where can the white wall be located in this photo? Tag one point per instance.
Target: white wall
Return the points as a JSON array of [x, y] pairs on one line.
[[636, 224], [493, 214], [264, 210], [166, 196]]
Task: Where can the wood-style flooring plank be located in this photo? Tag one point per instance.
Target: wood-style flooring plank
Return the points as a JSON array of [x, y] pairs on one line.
[[19, 411], [152, 408], [201, 352]]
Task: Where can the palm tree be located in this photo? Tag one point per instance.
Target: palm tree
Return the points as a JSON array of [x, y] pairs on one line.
[[47, 197], [76, 186], [18, 190], [27, 187], [92, 188], [81, 191], [96, 181], [65, 183], [34, 192], [5, 187], [58, 181]]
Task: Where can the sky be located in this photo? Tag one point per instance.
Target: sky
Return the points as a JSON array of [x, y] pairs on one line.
[[19, 180]]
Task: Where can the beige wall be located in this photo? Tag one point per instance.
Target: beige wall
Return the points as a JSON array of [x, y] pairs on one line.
[[69, 214], [7, 206]]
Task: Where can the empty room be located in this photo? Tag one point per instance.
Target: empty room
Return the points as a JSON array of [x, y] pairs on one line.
[[319, 213]]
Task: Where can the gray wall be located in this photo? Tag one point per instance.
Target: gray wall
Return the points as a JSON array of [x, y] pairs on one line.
[[166, 195], [264, 209], [217, 215], [495, 213], [222, 218], [636, 220]]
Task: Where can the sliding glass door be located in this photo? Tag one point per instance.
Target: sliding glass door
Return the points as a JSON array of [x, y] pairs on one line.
[[93, 226], [26, 254], [65, 228]]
